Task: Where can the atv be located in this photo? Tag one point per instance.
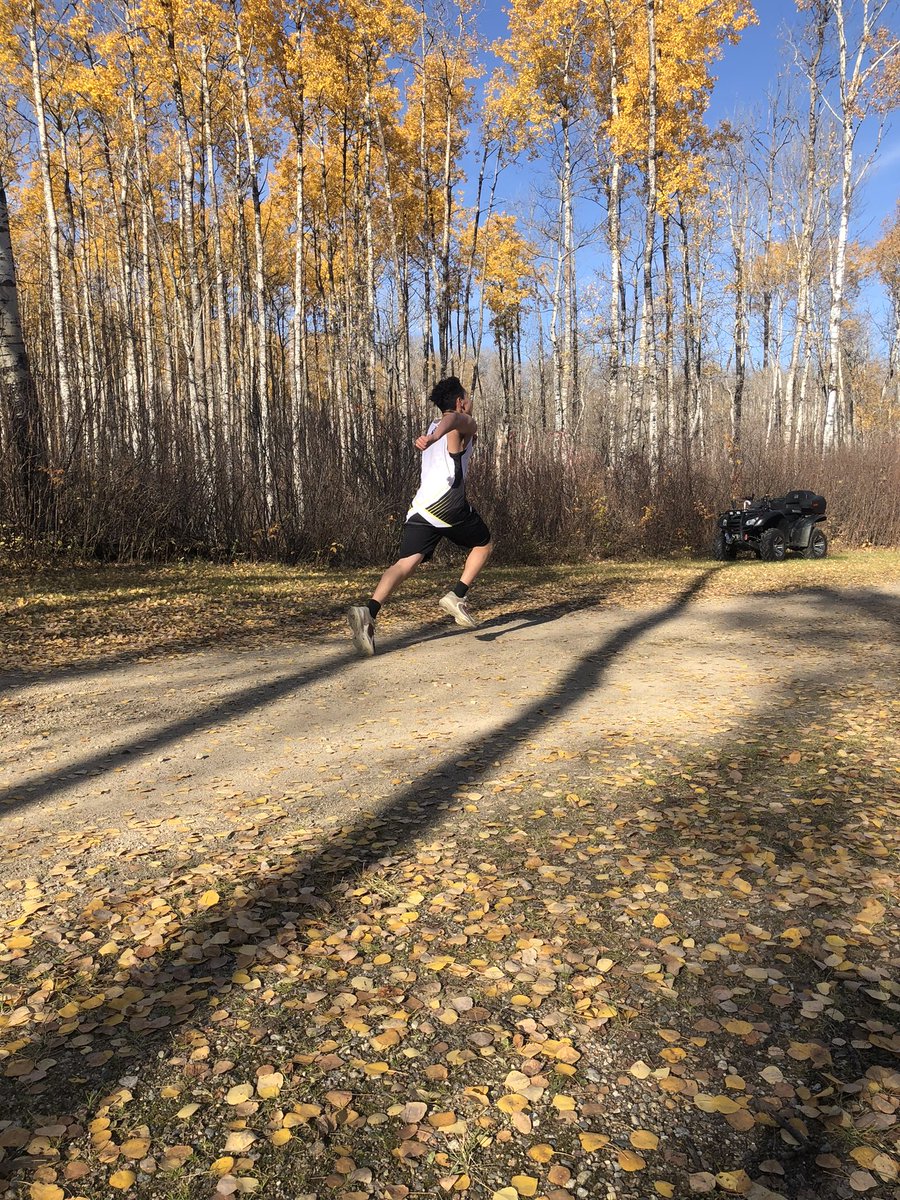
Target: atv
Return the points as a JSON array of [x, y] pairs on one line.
[[769, 528]]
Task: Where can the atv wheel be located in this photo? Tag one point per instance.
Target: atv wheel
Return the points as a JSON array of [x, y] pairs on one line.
[[818, 545], [772, 546], [723, 551]]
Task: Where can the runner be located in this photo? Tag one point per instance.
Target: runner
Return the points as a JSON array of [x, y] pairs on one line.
[[439, 509]]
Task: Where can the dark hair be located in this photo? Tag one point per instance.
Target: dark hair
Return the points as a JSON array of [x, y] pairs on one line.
[[446, 393]]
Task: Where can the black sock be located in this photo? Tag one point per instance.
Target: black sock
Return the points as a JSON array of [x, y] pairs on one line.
[[460, 590], [374, 609]]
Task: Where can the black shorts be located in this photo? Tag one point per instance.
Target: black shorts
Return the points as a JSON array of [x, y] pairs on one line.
[[420, 537]]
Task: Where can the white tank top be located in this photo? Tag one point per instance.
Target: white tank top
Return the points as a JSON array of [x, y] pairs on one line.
[[441, 498]]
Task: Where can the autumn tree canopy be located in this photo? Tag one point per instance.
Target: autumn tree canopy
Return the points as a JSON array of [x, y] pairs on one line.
[[241, 228]]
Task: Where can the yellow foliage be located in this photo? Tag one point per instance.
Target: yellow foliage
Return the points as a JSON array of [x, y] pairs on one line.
[[507, 266]]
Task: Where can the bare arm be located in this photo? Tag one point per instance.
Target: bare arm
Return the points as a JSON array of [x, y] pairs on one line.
[[451, 422]]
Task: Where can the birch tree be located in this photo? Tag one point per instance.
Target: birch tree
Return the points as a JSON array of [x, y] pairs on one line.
[[61, 347], [548, 55], [864, 48], [885, 261], [16, 382]]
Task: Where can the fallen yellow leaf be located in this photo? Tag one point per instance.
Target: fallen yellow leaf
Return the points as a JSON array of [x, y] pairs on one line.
[[741, 1028], [862, 1181], [593, 1141], [738, 1183], [643, 1139], [525, 1185], [629, 1161], [135, 1148], [716, 1104], [376, 1068], [45, 1191], [240, 1141], [268, 1086], [516, 1081], [541, 1153], [864, 1155]]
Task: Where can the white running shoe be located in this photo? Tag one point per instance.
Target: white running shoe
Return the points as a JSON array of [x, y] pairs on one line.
[[363, 628], [458, 610]]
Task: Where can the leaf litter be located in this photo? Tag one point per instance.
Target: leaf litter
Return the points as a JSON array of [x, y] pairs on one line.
[[66, 618], [477, 996]]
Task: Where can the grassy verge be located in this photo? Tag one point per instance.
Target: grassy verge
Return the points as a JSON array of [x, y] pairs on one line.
[[88, 616]]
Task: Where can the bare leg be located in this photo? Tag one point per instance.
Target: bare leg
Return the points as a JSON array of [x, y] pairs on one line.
[[476, 559], [393, 576]]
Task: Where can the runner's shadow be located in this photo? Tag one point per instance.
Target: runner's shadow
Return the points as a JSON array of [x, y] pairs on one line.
[[495, 627], [499, 627]]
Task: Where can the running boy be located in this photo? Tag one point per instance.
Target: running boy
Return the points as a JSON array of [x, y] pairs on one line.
[[439, 509]]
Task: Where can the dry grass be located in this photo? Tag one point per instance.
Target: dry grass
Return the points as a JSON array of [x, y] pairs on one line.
[[88, 616]]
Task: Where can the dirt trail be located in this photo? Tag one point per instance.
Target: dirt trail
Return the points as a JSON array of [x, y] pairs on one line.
[[538, 701], [613, 857]]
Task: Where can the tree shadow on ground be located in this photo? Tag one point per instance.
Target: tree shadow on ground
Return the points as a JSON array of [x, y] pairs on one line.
[[322, 877], [42, 786], [356, 850], [879, 606], [308, 622]]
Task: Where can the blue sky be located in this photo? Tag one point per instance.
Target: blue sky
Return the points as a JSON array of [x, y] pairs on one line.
[[747, 70]]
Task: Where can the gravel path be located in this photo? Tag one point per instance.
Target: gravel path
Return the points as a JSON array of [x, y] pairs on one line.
[[546, 696], [626, 868]]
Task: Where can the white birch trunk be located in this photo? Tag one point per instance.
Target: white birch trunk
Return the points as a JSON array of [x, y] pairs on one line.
[[848, 90], [371, 307], [56, 284], [614, 215], [792, 396], [221, 297], [299, 356], [259, 277], [559, 403], [570, 355], [647, 382], [444, 306]]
